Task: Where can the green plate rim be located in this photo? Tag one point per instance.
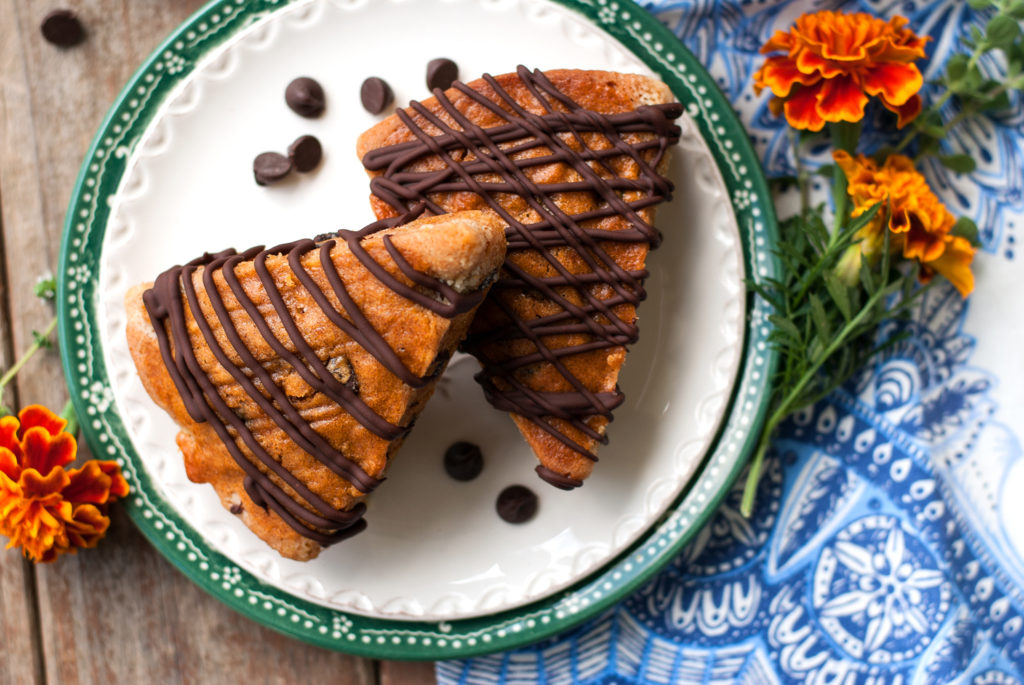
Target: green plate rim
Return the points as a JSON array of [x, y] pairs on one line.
[[82, 357]]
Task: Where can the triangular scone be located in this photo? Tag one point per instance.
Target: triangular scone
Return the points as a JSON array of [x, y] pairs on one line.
[[296, 383], [573, 161]]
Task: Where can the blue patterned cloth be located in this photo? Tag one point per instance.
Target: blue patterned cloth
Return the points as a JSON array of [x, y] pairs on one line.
[[887, 542]]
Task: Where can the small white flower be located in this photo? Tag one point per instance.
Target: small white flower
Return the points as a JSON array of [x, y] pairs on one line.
[[606, 15], [231, 575], [341, 623], [888, 588], [100, 396]]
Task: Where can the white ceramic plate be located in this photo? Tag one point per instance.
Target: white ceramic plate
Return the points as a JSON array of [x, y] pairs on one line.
[[434, 548]]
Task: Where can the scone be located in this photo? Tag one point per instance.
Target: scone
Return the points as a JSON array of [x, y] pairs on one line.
[[296, 372], [573, 162]]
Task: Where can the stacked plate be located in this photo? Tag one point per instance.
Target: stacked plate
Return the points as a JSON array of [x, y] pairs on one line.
[[437, 574]]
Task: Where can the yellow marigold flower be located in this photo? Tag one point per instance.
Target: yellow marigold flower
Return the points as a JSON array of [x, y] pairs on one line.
[[44, 508], [833, 64], [918, 222]]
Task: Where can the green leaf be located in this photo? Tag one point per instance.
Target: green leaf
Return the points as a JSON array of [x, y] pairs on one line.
[[839, 293], [867, 279], [972, 81], [785, 326], [980, 4], [1014, 63], [883, 152], [929, 146], [1015, 9], [46, 288], [976, 35], [863, 220], [817, 232], [815, 350], [69, 415], [5, 410], [820, 318], [956, 67], [894, 287], [998, 102], [1002, 30], [966, 228], [827, 170], [42, 340], [960, 163], [769, 297], [930, 123]]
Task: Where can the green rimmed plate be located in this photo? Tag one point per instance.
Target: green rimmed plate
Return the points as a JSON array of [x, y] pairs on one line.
[[168, 177]]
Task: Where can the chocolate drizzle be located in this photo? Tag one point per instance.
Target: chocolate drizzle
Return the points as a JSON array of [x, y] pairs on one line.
[[473, 158], [176, 288]]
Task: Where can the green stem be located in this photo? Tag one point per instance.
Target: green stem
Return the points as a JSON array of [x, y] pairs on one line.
[[33, 348], [845, 136], [786, 406], [934, 107], [801, 175], [69, 415]]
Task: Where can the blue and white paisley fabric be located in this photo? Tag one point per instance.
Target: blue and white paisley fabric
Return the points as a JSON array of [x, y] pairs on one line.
[[888, 543]]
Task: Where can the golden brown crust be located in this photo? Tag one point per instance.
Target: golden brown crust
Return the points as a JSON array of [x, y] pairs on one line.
[[598, 370], [465, 250]]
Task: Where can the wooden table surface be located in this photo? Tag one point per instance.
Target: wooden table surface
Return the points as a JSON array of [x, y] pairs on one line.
[[119, 613]]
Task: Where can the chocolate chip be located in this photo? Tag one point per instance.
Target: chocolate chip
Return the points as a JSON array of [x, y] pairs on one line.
[[463, 461], [376, 95], [305, 97], [441, 73], [270, 167], [516, 504], [236, 509], [62, 28], [305, 153]]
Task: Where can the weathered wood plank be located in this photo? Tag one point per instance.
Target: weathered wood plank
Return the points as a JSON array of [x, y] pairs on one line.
[[19, 616], [120, 614], [123, 614], [407, 673], [21, 662]]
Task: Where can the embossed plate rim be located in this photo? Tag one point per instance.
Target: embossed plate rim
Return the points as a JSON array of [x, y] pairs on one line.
[[104, 165]]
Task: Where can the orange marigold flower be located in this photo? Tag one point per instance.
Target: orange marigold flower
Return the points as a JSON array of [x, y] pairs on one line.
[[835, 62], [919, 224], [45, 508]]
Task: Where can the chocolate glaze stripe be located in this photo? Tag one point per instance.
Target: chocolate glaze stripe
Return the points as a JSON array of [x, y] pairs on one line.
[[545, 325], [216, 407], [497, 153], [526, 189], [310, 367], [560, 481], [506, 282], [457, 137], [349, 400], [277, 406], [500, 163], [164, 306], [405, 153], [323, 539], [359, 329], [452, 303], [174, 289], [226, 411]]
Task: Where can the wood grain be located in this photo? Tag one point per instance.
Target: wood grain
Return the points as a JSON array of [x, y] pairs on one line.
[[119, 614], [406, 672], [19, 616]]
